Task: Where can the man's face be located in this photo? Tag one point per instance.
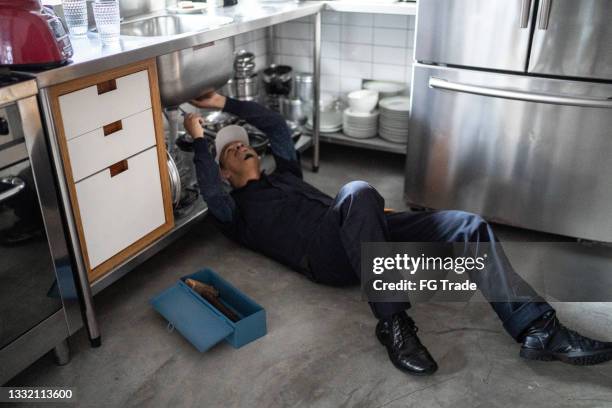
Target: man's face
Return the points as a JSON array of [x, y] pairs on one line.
[[237, 160]]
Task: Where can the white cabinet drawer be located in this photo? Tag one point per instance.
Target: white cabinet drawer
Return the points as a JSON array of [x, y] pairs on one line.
[[117, 211], [98, 149], [97, 105]]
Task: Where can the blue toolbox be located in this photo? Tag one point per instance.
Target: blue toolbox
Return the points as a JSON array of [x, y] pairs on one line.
[[201, 323]]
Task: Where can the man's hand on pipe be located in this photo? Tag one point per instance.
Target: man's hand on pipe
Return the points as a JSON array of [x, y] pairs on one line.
[[193, 124]]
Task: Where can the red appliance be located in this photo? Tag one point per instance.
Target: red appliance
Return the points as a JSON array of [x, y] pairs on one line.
[[32, 36]]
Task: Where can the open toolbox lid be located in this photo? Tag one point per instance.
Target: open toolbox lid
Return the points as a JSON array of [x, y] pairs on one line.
[[188, 313]]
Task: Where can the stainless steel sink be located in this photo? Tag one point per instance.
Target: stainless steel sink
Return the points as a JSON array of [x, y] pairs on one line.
[[169, 25], [187, 73]]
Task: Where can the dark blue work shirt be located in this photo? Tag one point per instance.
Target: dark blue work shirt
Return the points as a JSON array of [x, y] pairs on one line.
[[277, 214]]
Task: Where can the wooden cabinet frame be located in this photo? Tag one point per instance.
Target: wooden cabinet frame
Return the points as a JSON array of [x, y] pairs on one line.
[[106, 80]]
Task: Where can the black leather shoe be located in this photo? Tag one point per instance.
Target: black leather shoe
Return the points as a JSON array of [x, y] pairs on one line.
[[399, 336], [549, 340]]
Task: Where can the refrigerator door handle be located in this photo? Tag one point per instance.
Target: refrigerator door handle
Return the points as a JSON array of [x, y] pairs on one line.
[[525, 9], [544, 14], [438, 83]]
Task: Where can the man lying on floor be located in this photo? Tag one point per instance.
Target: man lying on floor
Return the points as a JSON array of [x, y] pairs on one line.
[[285, 218]]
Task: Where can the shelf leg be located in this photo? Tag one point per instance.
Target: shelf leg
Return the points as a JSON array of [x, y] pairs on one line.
[[316, 71]]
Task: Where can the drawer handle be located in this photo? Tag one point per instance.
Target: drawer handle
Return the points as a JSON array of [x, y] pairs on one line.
[[118, 168], [112, 128], [205, 45], [106, 86]]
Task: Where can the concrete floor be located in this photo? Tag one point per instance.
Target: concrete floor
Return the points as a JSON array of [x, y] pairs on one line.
[[320, 349]]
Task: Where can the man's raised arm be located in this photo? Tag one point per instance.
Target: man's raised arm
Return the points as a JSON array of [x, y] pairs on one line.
[[220, 203], [269, 122]]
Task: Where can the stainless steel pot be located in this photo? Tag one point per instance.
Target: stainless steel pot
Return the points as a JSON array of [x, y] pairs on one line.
[[217, 120], [175, 180], [246, 89], [244, 64], [303, 87], [293, 110], [186, 74], [229, 89]]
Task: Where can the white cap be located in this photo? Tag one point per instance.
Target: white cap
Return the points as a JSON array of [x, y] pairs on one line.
[[229, 134]]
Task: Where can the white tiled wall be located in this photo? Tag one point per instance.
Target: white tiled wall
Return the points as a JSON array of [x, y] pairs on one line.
[[255, 42], [355, 46]]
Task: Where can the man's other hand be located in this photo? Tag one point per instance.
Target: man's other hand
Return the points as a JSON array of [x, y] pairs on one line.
[[193, 124], [209, 100]]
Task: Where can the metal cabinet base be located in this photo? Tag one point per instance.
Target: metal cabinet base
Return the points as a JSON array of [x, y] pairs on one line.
[[46, 336], [524, 151], [38, 296]]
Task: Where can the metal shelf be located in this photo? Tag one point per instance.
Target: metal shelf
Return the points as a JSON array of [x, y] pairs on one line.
[[374, 143], [303, 143]]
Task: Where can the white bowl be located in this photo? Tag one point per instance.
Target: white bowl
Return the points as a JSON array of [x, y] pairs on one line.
[[396, 104], [385, 88], [326, 102], [363, 101]]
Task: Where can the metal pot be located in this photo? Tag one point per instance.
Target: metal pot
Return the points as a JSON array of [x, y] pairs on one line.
[[303, 87], [244, 64], [246, 89], [186, 74], [175, 180], [277, 79], [229, 89], [293, 110], [215, 121]]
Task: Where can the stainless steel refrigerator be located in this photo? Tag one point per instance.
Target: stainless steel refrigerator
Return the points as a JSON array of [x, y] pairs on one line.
[[512, 113]]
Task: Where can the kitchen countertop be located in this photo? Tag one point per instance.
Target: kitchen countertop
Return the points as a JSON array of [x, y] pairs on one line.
[[91, 58]]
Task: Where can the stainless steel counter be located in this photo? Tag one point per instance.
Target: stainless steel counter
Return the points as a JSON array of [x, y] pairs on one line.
[[90, 57]]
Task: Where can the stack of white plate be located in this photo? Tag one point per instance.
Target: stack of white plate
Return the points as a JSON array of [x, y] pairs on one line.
[[360, 125], [394, 116], [385, 89]]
